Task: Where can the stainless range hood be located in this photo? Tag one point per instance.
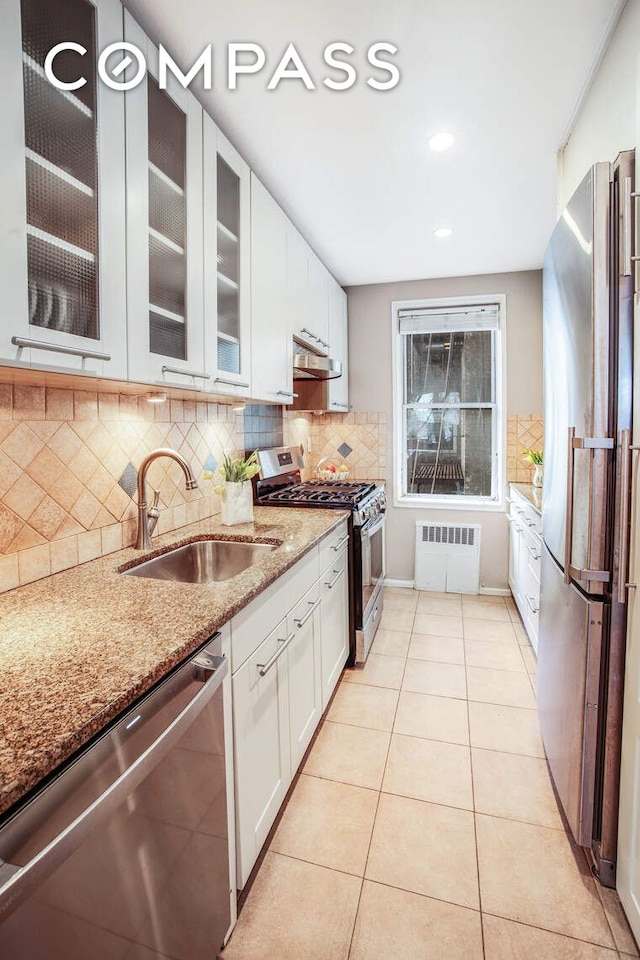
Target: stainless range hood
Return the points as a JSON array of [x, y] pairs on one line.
[[310, 366]]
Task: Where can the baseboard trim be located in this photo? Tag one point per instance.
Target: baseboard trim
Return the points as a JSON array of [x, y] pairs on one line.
[[483, 591]]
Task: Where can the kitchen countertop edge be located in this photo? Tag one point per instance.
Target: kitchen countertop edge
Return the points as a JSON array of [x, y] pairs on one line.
[[41, 621]]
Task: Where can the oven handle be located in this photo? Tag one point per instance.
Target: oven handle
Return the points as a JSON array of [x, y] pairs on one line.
[[372, 526]]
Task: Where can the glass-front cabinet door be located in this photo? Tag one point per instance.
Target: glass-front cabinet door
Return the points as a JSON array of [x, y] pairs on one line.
[[164, 229], [226, 263], [62, 192]]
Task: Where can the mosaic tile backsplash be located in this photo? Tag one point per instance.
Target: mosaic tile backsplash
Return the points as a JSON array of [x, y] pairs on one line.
[[524, 432], [68, 460]]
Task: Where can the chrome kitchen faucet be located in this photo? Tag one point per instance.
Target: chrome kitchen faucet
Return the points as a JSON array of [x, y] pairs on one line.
[[148, 517]]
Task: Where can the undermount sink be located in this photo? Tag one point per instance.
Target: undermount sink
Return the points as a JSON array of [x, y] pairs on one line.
[[203, 561]]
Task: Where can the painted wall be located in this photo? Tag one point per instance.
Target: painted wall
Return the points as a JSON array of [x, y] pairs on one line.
[[605, 124], [370, 388]]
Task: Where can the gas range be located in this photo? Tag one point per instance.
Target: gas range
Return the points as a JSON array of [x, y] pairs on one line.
[[280, 485], [365, 500]]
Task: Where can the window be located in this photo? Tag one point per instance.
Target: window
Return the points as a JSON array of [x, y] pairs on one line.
[[448, 410]]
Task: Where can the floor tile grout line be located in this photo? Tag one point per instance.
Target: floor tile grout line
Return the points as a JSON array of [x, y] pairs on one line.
[[375, 817], [425, 896], [532, 926]]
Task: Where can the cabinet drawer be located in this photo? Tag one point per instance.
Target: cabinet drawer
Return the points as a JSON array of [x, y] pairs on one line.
[[303, 610], [533, 547], [332, 544], [526, 515], [248, 628]]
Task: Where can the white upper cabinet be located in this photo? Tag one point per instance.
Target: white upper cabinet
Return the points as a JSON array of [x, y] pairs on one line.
[[62, 192], [271, 303], [317, 321], [227, 263], [308, 281], [338, 389], [164, 229]]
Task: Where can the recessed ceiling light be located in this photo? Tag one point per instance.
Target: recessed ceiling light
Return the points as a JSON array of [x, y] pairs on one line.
[[441, 141], [443, 232]]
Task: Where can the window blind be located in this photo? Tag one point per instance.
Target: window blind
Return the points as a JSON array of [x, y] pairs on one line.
[[454, 319]]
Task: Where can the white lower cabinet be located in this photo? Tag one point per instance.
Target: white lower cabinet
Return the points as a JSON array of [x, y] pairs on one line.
[[334, 614], [304, 668], [525, 550], [262, 752], [281, 685]]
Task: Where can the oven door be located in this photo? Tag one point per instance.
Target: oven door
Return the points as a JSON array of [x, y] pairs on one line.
[[373, 567]]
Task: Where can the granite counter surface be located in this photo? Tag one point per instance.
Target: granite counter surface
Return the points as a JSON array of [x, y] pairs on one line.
[[79, 647], [531, 494]]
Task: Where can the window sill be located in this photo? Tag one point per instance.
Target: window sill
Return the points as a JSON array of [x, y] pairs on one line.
[[470, 504]]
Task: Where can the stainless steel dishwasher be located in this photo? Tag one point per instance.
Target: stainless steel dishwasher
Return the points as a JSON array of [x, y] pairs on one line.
[[125, 854]]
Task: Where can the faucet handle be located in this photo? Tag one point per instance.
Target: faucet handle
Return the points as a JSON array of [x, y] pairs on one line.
[[153, 513]]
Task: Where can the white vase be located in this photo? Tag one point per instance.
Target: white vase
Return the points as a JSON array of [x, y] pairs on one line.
[[538, 475], [237, 503]]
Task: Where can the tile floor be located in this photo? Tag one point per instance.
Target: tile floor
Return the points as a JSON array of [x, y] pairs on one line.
[[424, 826]]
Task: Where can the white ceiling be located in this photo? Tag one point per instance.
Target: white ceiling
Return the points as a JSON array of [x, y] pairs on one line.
[[352, 169]]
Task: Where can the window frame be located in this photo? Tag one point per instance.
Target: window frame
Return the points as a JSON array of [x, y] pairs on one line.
[[423, 501]]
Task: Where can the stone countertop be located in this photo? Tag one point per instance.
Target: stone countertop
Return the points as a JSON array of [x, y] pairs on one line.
[[79, 647], [531, 494]]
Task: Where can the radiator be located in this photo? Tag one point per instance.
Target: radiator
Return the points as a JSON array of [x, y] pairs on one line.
[[447, 557]]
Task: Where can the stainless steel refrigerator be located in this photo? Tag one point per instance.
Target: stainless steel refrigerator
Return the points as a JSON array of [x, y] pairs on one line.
[[587, 346]]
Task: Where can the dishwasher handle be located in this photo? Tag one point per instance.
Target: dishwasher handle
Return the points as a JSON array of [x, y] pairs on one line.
[[18, 881]]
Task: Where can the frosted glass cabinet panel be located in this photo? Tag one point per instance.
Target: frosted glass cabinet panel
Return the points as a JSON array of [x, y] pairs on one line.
[[62, 258], [226, 263], [164, 229]]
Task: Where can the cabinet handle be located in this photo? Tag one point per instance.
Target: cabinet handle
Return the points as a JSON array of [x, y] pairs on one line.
[[532, 606], [340, 544], [515, 524], [331, 583], [322, 342], [519, 510], [311, 335], [263, 668], [314, 605], [343, 406], [529, 523], [536, 556], [230, 383], [54, 348], [286, 393], [186, 373]]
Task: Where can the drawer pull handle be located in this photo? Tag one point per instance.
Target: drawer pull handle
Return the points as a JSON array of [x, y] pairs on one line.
[[532, 605], [22, 342], [286, 393], [331, 583], [536, 556], [263, 668], [340, 544], [302, 620], [529, 523], [201, 374]]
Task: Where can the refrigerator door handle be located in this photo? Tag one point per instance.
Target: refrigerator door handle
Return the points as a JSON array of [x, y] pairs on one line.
[[568, 530], [625, 474], [581, 443]]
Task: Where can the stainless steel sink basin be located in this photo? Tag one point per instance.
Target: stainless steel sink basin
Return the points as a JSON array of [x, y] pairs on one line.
[[203, 561]]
